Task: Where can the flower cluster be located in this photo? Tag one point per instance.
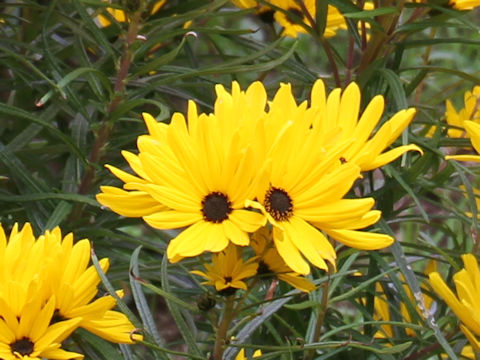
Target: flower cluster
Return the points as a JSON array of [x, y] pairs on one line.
[[47, 291], [223, 176]]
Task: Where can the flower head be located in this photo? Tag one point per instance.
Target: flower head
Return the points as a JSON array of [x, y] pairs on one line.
[[32, 335], [53, 267], [228, 270], [466, 302], [196, 176]]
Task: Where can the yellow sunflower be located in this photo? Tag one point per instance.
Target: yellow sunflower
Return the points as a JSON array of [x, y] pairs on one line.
[[31, 335], [228, 270], [473, 131], [120, 15], [199, 175], [56, 267], [270, 262], [301, 188], [466, 302]]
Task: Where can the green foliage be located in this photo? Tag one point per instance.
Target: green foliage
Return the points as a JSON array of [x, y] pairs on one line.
[[71, 95]]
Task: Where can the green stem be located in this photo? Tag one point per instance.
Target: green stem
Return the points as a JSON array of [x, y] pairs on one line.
[[222, 330]]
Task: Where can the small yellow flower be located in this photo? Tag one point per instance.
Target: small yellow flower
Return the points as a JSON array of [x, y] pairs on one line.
[[466, 302], [228, 270]]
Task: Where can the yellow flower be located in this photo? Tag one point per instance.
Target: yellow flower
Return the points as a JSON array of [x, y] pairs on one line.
[[31, 334], [464, 4], [241, 354], [473, 131], [228, 270], [120, 15], [270, 262], [471, 111], [292, 27], [199, 176], [56, 267], [341, 109], [466, 302]]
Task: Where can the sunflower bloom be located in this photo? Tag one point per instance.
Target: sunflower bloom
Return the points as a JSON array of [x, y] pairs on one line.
[[31, 336], [342, 109], [199, 176], [270, 262], [57, 268], [473, 131], [228, 270], [302, 186], [466, 302]]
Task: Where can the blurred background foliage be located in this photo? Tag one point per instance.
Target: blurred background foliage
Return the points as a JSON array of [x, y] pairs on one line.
[[71, 95]]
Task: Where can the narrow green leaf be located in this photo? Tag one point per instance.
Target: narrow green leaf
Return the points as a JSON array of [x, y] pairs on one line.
[[141, 301], [186, 332], [58, 215]]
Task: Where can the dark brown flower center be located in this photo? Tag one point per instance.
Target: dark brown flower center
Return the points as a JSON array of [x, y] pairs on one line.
[[23, 346], [216, 207], [297, 15], [278, 204], [228, 279]]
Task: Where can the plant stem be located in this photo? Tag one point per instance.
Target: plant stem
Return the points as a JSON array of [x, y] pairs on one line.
[[101, 139], [222, 330]]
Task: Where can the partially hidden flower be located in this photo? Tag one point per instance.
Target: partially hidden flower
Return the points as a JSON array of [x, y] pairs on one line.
[[342, 109], [121, 16], [32, 335], [241, 354], [464, 4], [270, 263], [473, 131], [293, 18], [228, 270], [470, 111], [465, 303]]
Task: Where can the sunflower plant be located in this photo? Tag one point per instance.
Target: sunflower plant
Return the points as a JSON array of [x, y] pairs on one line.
[[238, 179]]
